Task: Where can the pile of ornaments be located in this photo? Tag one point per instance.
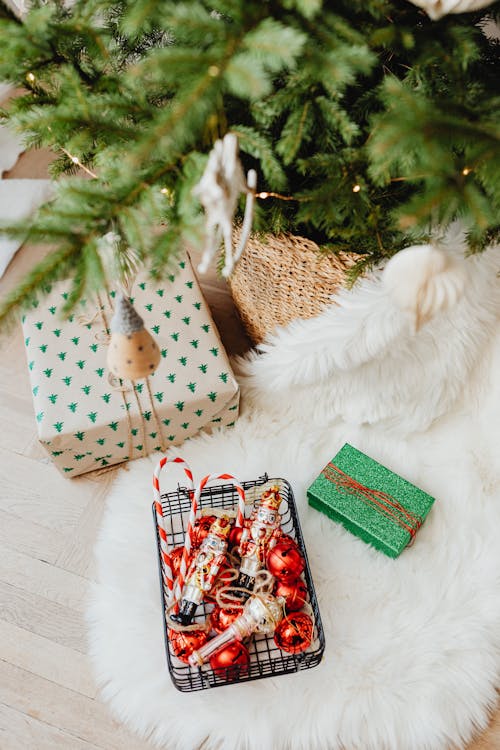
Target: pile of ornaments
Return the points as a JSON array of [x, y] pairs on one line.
[[252, 575]]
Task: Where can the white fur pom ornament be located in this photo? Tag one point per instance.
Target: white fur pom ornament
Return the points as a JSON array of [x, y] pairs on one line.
[[436, 9], [133, 353], [422, 281]]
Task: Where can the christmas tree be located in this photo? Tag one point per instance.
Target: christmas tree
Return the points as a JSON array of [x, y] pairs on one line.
[[369, 123]]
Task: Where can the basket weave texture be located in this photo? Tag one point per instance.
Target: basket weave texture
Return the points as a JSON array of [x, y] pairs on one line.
[[282, 277]]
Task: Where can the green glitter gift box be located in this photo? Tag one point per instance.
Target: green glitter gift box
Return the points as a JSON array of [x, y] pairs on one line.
[[372, 502]]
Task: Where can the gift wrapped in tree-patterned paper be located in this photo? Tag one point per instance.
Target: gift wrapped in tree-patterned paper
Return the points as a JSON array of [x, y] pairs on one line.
[[371, 501], [87, 419]]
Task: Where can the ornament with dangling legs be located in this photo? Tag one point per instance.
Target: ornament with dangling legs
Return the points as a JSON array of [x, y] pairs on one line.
[[218, 191]]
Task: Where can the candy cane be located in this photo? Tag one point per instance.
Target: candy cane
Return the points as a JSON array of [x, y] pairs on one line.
[[188, 539], [160, 520]]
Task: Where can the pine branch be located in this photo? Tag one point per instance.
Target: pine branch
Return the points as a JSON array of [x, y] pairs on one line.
[[376, 120], [53, 267]]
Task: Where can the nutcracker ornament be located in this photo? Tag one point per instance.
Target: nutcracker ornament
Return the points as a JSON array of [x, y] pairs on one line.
[[260, 534], [203, 570]]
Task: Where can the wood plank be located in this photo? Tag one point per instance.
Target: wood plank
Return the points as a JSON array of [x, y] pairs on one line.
[[32, 164], [47, 659], [24, 260], [14, 362], [48, 581], [35, 452], [29, 499], [19, 731], [38, 615], [64, 709], [77, 553], [489, 739], [33, 539], [19, 415]]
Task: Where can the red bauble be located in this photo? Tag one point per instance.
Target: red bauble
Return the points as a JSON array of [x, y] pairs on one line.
[[235, 536], [184, 643], [231, 661], [284, 561], [289, 540], [294, 594], [294, 633], [200, 531], [175, 560], [221, 619]]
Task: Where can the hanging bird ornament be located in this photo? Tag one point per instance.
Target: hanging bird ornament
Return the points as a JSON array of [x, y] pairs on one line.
[[218, 191], [133, 353]]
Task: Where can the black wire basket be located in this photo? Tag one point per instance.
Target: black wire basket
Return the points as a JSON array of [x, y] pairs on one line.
[[266, 659]]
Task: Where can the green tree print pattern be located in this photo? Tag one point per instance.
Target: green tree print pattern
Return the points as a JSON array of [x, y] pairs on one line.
[[85, 421]]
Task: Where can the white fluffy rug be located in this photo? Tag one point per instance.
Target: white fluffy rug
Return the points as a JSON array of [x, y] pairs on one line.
[[412, 645]]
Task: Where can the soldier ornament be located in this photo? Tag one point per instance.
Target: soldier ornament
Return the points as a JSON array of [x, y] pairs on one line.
[[260, 534], [203, 570]]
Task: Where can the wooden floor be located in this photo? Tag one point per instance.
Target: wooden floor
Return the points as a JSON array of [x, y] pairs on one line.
[[48, 525]]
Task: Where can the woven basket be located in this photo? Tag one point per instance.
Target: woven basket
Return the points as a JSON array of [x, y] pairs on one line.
[[283, 277]]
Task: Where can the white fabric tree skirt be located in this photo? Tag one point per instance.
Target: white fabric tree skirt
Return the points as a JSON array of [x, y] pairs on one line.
[[412, 645]]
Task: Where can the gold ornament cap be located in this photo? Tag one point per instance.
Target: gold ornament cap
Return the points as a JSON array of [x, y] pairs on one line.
[[221, 527], [271, 498]]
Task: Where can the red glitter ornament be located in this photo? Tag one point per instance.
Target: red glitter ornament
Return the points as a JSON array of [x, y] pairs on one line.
[[221, 619], [294, 594], [294, 633], [235, 536], [200, 531], [285, 562], [175, 560], [231, 661], [289, 540], [184, 643]]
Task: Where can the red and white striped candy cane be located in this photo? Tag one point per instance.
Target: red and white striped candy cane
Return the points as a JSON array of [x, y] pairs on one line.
[[160, 520], [188, 539]]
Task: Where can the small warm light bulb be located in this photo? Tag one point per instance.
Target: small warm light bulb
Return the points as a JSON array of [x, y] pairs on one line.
[[213, 71], [466, 171], [356, 188], [263, 195], [75, 159], [164, 191], [31, 78]]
